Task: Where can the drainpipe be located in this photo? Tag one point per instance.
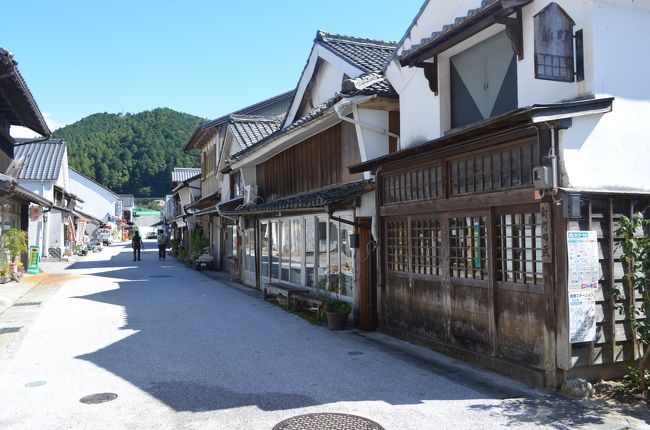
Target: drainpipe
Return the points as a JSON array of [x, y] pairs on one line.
[[338, 108]]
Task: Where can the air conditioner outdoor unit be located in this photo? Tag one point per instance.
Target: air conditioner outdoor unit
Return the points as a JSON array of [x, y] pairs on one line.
[[250, 194]]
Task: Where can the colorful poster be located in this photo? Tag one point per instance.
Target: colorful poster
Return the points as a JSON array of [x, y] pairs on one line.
[[582, 250]]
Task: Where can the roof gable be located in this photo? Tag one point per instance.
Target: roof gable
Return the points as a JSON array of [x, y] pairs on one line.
[[17, 105], [43, 160], [277, 105], [180, 174], [334, 58], [247, 130]]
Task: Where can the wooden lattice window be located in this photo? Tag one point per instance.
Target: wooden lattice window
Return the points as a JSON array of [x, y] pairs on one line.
[[420, 184], [397, 246], [468, 247], [519, 248], [494, 170], [426, 244]]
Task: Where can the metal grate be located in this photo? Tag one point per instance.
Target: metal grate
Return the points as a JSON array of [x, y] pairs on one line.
[[94, 399], [327, 421], [5, 330]]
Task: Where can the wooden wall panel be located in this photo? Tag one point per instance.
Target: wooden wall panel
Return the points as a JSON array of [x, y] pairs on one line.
[[314, 163]]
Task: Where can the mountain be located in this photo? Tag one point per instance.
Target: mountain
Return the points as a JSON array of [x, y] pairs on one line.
[[131, 154]]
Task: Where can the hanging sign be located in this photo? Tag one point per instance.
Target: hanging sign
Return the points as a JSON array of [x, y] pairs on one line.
[[582, 250], [35, 213]]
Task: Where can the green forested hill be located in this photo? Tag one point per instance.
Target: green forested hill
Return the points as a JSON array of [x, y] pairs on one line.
[[131, 154]]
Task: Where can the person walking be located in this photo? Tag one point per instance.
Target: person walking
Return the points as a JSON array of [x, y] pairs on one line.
[[137, 245], [162, 245]]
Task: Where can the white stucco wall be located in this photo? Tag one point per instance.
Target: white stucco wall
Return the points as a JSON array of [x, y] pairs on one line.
[[98, 201], [372, 143], [596, 149]]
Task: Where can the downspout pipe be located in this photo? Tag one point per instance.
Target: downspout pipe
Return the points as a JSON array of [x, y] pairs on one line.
[[345, 103]]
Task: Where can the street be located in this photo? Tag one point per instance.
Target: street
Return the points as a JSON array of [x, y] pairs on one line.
[[184, 351]]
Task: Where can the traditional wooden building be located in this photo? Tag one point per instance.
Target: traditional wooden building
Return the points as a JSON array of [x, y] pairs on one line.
[[520, 150], [17, 108], [299, 212], [218, 140]]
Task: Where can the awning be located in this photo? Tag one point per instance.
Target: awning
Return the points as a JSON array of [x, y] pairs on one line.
[[205, 201], [330, 198]]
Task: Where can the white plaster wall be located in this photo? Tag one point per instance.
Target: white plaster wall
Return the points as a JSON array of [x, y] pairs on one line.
[[326, 83], [373, 143], [98, 201], [608, 152], [44, 189]]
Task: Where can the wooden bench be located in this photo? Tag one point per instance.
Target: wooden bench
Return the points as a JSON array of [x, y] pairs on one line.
[[282, 292], [307, 301]]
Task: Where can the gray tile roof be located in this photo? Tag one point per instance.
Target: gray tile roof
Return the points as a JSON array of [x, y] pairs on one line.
[[128, 201], [180, 174], [17, 104], [43, 159], [367, 54], [274, 106], [250, 129], [326, 196], [313, 114], [487, 7]]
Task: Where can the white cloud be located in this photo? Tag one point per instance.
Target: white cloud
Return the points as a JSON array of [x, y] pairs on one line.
[[17, 131]]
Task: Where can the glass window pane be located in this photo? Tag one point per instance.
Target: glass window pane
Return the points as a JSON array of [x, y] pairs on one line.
[[296, 251], [285, 256], [310, 257], [334, 262], [275, 250], [321, 260], [265, 235], [347, 258]]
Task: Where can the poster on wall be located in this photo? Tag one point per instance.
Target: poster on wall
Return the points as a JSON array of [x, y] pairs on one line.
[[582, 251]]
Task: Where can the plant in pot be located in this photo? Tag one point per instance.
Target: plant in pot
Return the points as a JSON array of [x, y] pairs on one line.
[[334, 309], [16, 243]]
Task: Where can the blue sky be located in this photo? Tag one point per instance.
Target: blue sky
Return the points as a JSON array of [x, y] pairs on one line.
[[204, 57]]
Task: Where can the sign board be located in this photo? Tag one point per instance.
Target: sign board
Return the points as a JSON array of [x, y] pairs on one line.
[[582, 251], [35, 213], [118, 209]]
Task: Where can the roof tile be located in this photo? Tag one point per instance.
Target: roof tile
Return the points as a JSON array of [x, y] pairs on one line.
[[43, 159]]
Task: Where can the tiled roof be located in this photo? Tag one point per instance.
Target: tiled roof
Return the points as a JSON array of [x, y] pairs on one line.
[[250, 129], [128, 201], [326, 196], [313, 114], [485, 10], [230, 205], [180, 174], [43, 159], [367, 54], [206, 131], [366, 84], [17, 104]]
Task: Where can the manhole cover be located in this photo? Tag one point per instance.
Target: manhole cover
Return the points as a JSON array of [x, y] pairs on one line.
[[4, 330], [355, 353], [327, 421], [98, 398], [160, 276], [35, 384], [27, 304]]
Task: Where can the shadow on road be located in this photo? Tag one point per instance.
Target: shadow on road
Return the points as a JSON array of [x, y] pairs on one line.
[[201, 346]]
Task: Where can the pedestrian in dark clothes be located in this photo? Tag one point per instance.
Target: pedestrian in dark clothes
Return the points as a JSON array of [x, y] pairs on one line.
[[162, 244], [137, 245]]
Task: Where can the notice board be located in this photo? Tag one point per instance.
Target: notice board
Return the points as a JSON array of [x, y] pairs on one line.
[[582, 250]]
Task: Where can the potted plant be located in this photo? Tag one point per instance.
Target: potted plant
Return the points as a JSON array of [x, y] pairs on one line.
[[334, 309], [16, 243]]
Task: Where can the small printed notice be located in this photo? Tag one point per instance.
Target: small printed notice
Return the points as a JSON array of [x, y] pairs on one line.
[[582, 248]]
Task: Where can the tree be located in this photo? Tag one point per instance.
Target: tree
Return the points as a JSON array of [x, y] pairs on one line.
[[636, 260]]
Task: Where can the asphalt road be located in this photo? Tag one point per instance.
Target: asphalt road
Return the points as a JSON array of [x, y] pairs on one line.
[[184, 351]]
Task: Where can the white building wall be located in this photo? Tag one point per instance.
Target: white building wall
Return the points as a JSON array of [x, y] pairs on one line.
[[98, 201], [372, 144], [594, 150]]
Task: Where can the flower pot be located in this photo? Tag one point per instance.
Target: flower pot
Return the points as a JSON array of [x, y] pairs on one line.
[[336, 320]]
